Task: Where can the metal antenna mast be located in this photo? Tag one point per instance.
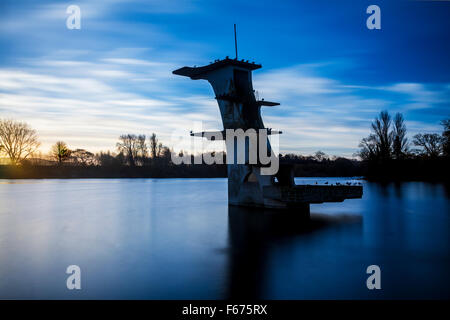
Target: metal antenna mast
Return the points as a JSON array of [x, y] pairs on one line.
[[235, 41]]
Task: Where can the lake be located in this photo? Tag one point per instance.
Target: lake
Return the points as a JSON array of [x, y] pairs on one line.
[[178, 239]]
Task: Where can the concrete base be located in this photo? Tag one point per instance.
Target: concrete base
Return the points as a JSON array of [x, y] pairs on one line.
[[248, 187], [312, 193]]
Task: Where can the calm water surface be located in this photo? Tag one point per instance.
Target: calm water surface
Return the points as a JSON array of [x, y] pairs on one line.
[[178, 239]]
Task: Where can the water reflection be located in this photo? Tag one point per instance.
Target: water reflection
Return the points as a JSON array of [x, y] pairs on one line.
[[254, 233], [178, 239]]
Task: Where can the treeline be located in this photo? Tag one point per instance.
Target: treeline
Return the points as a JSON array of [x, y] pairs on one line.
[[136, 157], [114, 168], [322, 165], [387, 154], [28, 171]]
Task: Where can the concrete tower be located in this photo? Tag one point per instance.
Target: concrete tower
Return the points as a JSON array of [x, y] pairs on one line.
[[231, 81]]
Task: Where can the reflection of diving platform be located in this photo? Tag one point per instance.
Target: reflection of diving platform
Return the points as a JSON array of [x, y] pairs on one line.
[[231, 80]]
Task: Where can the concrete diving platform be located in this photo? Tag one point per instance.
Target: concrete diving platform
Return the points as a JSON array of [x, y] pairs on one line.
[[312, 193], [249, 183]]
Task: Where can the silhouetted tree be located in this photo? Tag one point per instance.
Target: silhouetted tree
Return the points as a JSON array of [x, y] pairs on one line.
[[60, 151], [120, 159], [368, 149], [106, 159], [400, 163], [431, 144], [382, 135], [446, 137], [127, 146], [166, 154], [17, 140], [155, 146], [83, 157], [383, 143], [159, 150], [133, 148], [399, 140], [320, 156], [142, 152]]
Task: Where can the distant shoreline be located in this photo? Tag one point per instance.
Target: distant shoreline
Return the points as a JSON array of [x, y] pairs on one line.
[[434, 171]]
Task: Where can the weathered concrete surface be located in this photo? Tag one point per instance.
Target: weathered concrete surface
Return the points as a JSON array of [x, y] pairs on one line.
[[231, 81], [312, 193]]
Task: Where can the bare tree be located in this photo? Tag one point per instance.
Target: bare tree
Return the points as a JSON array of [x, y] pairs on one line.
[[154, 152], [382, 136], [368, 149], [384, 143], [159, 150], [83, 157], [128, 146], [17, 140], [399, 140], [431, 144], [60, 151], [142, 154], [166, 153], [446, 137], [108, 159], [133, 148], [320, 156]]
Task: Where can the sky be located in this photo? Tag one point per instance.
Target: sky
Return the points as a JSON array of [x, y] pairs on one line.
[[331, 74]]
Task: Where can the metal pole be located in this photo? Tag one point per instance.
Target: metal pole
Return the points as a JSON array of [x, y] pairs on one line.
[[235, 41]]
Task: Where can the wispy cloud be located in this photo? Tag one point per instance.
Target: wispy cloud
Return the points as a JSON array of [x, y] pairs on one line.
[[90, 103], [114, 75], [87, 105], [326, 114]]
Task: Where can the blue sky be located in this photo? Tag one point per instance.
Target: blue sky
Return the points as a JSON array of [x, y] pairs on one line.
[[330, 73]]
